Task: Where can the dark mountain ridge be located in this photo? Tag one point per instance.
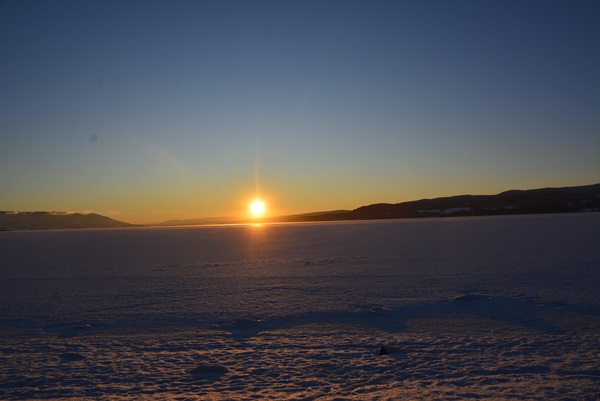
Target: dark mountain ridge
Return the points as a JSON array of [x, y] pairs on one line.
[[10, 221], [534, 201], [546, 200]]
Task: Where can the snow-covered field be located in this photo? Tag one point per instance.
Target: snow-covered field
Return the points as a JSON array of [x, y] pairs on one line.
[[467, 308]]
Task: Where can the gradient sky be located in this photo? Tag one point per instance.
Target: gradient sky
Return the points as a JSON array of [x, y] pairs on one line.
[[152, 110]]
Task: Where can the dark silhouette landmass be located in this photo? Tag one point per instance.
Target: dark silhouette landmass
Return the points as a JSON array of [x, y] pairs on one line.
[[535, 201], [10, 221]]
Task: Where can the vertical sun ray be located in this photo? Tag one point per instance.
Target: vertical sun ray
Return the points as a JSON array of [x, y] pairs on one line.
[[257, 171]]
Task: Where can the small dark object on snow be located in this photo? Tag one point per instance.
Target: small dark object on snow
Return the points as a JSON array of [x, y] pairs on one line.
[[71, 357], [209, 369], [383, 351]]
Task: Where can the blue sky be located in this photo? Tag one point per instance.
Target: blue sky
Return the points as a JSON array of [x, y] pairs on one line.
[[151, 110]]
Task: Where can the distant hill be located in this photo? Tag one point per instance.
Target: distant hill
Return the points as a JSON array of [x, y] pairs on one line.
[[199, 221], [55, 220], [546, 200], [534, 201], [314, 216]]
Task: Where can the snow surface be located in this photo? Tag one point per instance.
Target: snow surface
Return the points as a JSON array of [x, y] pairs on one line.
[[467, 308]]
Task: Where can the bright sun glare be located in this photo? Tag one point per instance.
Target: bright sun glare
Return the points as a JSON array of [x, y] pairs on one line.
[[257, 208]]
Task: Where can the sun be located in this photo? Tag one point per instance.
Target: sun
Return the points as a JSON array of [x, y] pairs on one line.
[[257, 208]]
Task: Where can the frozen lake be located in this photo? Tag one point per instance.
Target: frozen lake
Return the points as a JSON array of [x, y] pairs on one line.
[[493, 306]]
